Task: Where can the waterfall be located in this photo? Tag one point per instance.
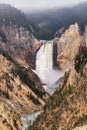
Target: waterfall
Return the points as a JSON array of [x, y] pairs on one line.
[[44, 60], [45, 56], [44, 67]]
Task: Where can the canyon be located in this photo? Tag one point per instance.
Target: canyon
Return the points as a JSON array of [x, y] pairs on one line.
[[49, 76], [38, 75], [67, 107], [20, 88]]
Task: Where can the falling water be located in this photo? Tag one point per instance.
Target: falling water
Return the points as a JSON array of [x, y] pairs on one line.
[[49, 76]]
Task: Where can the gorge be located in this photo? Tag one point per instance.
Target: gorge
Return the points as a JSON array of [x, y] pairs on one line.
[[67, 47], [43, 84]]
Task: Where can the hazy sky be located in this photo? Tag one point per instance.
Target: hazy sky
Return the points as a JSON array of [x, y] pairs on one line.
[[40, 4]]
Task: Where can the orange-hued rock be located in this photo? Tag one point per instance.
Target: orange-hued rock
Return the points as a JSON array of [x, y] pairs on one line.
[[67, 46], [81, 128], [67, 108], [15, 96]]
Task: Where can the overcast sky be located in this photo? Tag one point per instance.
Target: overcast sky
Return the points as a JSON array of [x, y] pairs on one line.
[[40, 4]]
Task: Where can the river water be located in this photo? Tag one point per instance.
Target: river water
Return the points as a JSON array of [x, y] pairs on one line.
[[28, 119]]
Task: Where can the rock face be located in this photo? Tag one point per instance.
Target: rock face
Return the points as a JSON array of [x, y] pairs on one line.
[[67, 108], [85, 36], [19, 44], [17, 97], [67, 46], [20, 88], [81, 128]]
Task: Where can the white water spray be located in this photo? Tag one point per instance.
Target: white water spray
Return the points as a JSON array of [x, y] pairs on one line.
[[44, 67]]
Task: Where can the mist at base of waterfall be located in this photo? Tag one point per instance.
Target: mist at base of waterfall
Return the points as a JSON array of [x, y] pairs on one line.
[[50, 79]]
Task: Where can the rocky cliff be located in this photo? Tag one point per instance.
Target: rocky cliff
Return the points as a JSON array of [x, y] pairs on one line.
[[20, 93], [81, 128], [19, 44], [68, 46], [20, 88], [67, 108]]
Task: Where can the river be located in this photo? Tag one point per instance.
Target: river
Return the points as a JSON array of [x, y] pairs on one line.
[[28, 119]]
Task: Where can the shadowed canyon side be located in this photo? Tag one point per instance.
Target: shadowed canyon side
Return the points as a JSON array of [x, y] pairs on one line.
[[20, 44], [51, 23]]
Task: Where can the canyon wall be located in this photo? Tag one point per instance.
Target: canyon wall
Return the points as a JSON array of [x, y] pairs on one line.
[[20, 44], [67, 46]]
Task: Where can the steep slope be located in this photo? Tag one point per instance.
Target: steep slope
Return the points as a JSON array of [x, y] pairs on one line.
[[68, 46], [16, 35], [17, 97], [81, 128], [67, 108], [10, 15], [19, 43]]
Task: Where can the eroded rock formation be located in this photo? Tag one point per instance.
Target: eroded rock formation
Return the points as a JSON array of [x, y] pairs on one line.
[[19, 44], [67, 46]]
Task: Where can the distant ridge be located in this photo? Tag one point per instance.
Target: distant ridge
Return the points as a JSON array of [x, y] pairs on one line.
[[48, 22], [11, 15]]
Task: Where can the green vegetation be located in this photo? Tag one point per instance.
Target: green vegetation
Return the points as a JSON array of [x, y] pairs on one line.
[[81, 59], [8, 84], [2, 35], [15, 124], [10, 15], [23, 74], [19, 87], [66, 109], [35, 101], [81, 120], [30, 128], [7, 124], [8, 87], [55, 101], [55, 19]]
